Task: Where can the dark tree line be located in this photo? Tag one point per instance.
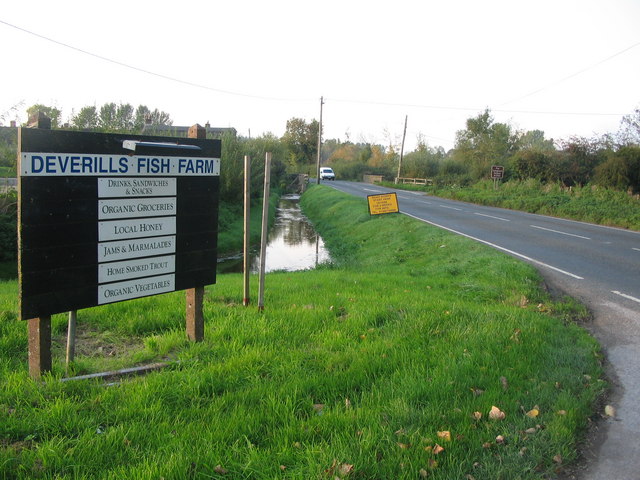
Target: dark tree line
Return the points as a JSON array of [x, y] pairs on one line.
[[110, 117], [611, 160]]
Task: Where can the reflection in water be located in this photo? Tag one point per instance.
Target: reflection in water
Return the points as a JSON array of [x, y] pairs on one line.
[[293, 243]]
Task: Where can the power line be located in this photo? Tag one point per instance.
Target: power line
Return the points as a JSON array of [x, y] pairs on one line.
[[471, 109], [579, 72], [339, 100], [148, 72]]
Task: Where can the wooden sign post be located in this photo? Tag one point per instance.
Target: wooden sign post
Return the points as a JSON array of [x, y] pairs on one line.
[[195, 296], [497, 173], [39, 328], [39, 345]]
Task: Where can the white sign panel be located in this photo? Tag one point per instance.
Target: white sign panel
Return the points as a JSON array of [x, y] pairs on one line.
[[122, 229], [136, 187], [115, 292], [136, 207], [93, 165], [142, 247], [142, 267]]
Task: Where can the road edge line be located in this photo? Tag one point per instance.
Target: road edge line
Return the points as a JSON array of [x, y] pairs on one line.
[[498, 247]]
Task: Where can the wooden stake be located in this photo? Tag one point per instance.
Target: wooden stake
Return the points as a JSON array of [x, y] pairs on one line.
[[195, 315], [195, 296], [265, 222], [71, 338], [247, 223], [39, 346]]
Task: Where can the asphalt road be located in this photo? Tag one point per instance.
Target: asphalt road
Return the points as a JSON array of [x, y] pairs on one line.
[[600, 266]]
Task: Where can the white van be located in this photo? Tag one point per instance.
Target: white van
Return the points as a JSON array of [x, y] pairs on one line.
[[326, 173]]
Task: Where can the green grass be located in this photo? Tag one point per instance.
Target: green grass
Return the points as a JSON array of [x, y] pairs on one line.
[[231, 226], [589, 203], [350, 371]]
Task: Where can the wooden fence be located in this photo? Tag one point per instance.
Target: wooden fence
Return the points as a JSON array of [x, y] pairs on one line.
[[414, 181]]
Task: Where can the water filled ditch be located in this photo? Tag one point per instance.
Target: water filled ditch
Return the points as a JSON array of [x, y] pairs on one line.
[[293, 244]]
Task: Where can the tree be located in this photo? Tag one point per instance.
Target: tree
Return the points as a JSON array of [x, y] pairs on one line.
[[158, 117], [621, 170], [107, 117], [118, 118], [578, 160], [11, 112], [352, 160], [630, 129], [454, 172], [8, 147], [424, 162], [301, 141], [124, 117], [143, 116], [377, 157], [231, 170], [534, 140], [531, 163], [86, 119], [484, 143], [51, 112]]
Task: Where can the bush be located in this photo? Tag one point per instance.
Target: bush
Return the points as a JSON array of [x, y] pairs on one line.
[[8, 227], [621, 170]]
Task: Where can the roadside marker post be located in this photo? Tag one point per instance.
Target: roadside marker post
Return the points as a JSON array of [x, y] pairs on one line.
[[497, 173], [247, 234], [265, 224]]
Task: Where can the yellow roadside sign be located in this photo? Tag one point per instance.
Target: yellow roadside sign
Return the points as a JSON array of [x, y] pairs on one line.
[[383, 203]]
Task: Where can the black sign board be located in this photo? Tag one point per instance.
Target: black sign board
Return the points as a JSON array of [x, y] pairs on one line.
[[109, 217], [497, 172]]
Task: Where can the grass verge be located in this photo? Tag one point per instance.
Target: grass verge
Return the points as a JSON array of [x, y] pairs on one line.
[[590, 203], [385, 364]]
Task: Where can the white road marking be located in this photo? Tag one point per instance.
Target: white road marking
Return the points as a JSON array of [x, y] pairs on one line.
[[498, 247], [558, 231], [491, 216], [371, 190], [636, 249], [452, 208], [428, 203], [624, 295]]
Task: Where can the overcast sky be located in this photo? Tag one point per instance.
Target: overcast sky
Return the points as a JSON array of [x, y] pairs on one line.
[[567, 67]]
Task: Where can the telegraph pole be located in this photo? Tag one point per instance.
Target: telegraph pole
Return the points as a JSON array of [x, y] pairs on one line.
[[402, 148], [319, 143]]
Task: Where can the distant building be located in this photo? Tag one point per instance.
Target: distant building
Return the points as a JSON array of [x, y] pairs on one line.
[[180, 131]]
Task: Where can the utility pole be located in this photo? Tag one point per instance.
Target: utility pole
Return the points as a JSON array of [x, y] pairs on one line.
[[402, 148], [319, 143]]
